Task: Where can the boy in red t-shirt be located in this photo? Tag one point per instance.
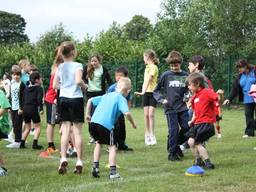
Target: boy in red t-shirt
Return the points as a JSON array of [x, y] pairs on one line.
[[204, 117]]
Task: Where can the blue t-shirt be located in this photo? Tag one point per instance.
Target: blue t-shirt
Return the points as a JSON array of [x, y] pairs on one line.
[[112, 88], [109, 107], [66, 75], [246, 81], [25, 78]]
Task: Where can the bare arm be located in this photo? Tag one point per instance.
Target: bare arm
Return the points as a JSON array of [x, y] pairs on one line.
[[130, 119], [2, 111], [190, 123], [88, 110], [145, 86], [79, 80], [55, 83]]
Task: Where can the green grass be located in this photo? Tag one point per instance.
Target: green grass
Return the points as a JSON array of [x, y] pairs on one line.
[[145, 169]]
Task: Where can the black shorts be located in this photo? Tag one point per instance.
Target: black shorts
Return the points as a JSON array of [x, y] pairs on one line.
[[71, 109], [31, 113], [102, 135], [202, 132], [52, 116], [149, 100]]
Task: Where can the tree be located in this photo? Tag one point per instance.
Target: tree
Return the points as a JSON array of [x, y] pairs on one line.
[[12, 28], [138, 28], [47, 44]]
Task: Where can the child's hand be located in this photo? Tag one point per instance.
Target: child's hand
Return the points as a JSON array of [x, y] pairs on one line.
[[226, 102], [138, 93], [220, 91], [20, 112], [134, 126], [88, 118], [190, 123], [55, 101], [164, 101], [41, 112]]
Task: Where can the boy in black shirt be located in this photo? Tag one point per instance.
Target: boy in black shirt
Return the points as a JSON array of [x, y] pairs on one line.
[[31, 106]]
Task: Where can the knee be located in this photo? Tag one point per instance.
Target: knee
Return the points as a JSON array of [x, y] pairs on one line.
[[191, 143]]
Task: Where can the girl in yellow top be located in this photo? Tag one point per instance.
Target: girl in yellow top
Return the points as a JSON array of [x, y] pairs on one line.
[[149, 103]]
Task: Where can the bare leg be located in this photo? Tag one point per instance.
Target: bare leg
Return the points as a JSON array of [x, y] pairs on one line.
[[65, 130], [77, 130]]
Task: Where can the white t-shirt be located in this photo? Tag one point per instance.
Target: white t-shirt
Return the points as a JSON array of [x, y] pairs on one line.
[[15, 89], [66, 76]]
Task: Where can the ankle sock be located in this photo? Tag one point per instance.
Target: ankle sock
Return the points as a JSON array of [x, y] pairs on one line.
[[113, 170]]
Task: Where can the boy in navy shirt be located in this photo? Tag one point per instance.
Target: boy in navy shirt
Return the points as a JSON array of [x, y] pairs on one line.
[[109, 107], [173, 83]]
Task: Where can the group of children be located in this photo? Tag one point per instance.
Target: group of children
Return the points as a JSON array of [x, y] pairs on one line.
[[106, 109]]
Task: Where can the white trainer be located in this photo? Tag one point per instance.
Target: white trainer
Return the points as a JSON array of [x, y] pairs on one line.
[[147, 140], [153, 140], [13, 145]]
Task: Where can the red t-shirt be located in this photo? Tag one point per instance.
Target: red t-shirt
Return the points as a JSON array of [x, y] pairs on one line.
[[51, 93], [204, 104]]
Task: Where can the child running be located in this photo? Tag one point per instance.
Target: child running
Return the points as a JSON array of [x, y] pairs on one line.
[[109, 107], [149, 102], [204, 117], [68, 79]]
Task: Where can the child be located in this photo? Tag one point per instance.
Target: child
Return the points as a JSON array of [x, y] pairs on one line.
[[68, 79], [149, 102], [31, 106], [51, 104], [218, 112], [204, 117], [174, 87], [7, 83], [96, 76], [25, 69], [17, 90], [120, 124], [4, 126], [109, 107]]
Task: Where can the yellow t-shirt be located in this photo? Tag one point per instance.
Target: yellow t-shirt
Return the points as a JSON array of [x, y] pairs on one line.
[[151, 70]]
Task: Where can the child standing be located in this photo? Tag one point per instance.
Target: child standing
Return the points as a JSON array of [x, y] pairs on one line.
[[149, 102], [51, 104], [31, 106], [25, 69], [68, 79], [17, 90], [204, 117], [120, 128], [96, 76], [174, 87], [109, 107], [4, 126]]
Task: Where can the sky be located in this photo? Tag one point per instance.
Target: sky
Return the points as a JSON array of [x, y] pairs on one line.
[[78, 16]]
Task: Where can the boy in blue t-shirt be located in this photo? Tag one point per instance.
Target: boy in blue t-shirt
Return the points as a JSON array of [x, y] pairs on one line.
[[120, 129], [109, 107]]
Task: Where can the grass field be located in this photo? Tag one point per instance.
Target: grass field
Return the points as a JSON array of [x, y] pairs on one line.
[[145, 169]]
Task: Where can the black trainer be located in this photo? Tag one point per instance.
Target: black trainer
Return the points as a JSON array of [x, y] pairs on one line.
[[37, 147], [199, 162], [95, 172], [124, 148], [209, 165], [174, 158]]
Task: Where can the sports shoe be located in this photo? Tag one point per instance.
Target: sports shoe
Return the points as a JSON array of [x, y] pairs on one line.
[[147, 140], [209, 165], [71, 152], [174, 158], [79, 167], [153, 140], [37, 147], [51, 150], [13, 145], [124, 148], [182, 148], [245, 136], [199, 162], [218, 136], [95, 172], [3, 172], [10, 138], [63, 166], [115, 177]]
